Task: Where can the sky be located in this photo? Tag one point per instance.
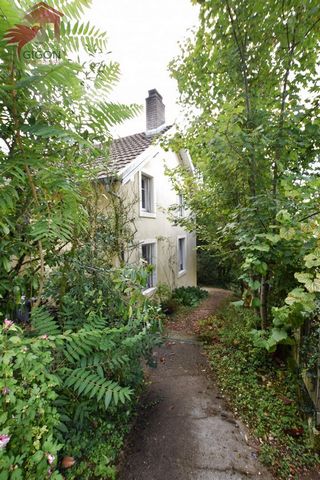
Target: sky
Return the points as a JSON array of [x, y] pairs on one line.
[[143, 37]]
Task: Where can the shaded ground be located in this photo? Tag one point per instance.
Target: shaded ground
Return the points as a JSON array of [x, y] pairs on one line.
[[187, 322], [185, 430]]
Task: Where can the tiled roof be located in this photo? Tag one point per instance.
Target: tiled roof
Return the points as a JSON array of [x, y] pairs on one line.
[[124, 150]]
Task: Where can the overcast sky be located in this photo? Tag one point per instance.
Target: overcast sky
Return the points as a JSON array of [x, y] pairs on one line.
[[143, 38]]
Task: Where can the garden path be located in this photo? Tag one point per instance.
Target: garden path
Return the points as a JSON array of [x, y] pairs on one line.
[[184, 429]]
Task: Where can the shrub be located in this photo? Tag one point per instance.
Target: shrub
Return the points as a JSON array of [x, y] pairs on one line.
[[69, 380], [28, 390], [189, 296]]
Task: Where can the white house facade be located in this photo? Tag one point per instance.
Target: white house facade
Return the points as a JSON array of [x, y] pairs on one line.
[[141, 165]]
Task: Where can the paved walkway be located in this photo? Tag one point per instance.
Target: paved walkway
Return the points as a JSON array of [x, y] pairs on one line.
[[184, 430]]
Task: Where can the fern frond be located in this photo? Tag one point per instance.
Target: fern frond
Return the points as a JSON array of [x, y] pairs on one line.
[[104, 115], [43, 323], [87, 383], [80, 344], [107, 77], [75, 35], [72, 8]]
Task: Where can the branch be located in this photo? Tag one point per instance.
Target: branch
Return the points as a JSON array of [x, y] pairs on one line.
[[309, 216], [30, 180]]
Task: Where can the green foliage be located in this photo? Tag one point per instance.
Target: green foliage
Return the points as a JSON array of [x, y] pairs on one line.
[[74, 366], [263, 392], [189, 296], [53, 115], [28, 414], [81, 364], [249, 83], [214, 271], [99, 444], [172, 301]]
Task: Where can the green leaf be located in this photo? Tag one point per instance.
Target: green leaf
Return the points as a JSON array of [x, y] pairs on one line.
[[278, 335], [107, 398]]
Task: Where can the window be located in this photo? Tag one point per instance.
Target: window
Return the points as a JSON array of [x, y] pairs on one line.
[[180, 205], [181, 254], [148, 255], [146, 193]]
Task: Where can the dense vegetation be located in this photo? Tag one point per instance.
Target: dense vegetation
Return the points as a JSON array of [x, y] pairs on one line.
[[249, 82], [172, 300], [73, 327], [264, 393]]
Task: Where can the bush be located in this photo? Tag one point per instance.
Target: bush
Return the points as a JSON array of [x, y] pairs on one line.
[[189, 296], [214, 271], [70, 379], [28, 390]]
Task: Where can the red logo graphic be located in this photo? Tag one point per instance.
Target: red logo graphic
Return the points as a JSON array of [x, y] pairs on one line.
[[40, 15]]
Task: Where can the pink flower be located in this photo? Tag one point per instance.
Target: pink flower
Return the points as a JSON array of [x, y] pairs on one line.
[[51, 458], [49, 472], [7, 324], [5, 391], [4, 439], [44, 337]]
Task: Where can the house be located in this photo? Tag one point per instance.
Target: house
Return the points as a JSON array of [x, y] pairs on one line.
[[140, 164]]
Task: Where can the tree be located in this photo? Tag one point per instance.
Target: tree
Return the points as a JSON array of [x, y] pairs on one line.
[[249, 78], [56, 120], [73, 327]]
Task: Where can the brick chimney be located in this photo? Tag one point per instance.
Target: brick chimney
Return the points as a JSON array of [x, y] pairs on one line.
[[155, 111]]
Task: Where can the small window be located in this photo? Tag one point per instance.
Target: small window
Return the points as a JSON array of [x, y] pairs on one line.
[[180, 205], [146, 193], [181, 254], [148, 255]]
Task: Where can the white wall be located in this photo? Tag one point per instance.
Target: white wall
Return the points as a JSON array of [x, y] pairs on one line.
[[157, 227]]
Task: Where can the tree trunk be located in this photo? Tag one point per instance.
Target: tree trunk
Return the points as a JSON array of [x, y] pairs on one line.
[[264, 291]]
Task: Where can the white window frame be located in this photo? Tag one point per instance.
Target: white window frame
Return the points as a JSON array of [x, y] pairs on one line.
[[182, 271], [148, 211], [150, 289]]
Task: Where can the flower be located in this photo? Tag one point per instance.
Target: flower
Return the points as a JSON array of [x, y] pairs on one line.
[[44, 337], [5, 182], [51, 458], [4, 439], [5, 391], [7, 324]]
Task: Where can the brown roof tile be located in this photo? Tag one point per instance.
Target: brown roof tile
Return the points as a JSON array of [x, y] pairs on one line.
[[124, 150]]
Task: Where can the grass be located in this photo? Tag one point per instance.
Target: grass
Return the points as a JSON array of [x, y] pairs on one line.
[[263, 392]]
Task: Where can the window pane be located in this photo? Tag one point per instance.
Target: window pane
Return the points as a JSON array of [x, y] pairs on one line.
[[181, 212], [143, 192], [148, 256], [181, 254], [146, 193]]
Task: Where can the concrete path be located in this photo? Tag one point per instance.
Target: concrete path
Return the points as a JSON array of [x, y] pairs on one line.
[[184, 430]]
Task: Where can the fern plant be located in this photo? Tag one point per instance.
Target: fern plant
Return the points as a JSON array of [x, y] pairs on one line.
[[89, 325], [54, 115], [98, 358]]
